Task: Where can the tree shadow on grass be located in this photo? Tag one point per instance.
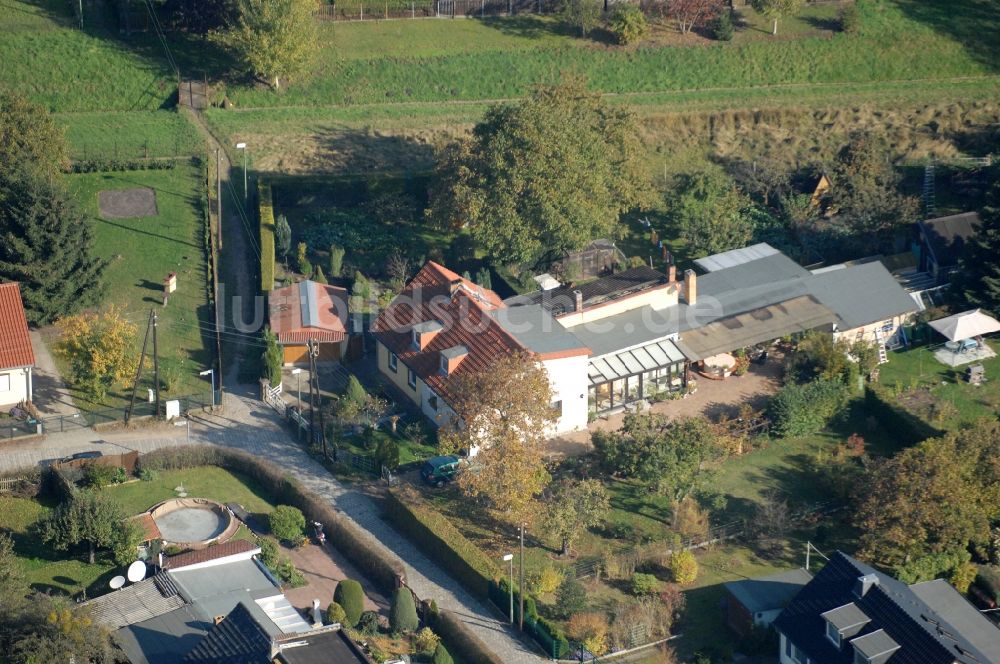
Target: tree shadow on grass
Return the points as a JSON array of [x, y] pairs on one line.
[[530, 26], [972, 23]]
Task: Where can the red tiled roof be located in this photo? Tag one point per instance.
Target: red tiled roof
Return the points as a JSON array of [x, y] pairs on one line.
[[15, 344], [466, 321], [149, 527], [230, 548], [286, 316]]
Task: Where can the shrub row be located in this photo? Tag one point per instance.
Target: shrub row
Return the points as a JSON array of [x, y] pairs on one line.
[[550, 637], [108, 165], [266, 236], [906, 426], [441, 541], [800, 410], [461, 642], [353, 542]]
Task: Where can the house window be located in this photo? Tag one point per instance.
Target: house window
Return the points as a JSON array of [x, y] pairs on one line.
[[556, 408], [393, 362], [833, 634], [5, 382], [411, 379], [415, 338], [433, 403], [798, 655], [443, 365], [788, 647]]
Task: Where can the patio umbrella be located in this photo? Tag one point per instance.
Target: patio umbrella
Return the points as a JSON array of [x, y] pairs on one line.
[[966, 325]]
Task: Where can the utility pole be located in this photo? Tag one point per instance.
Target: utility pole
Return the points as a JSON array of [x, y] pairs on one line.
[[312, 400], [520, 584], [138, 369], [218, 190], [156, 370]]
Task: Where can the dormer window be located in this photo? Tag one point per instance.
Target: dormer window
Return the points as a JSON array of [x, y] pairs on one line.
[[875, 648], [451, 358], [423, 333], [844, 622]]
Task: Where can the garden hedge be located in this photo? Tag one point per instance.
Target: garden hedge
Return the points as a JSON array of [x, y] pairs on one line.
[[460, 640], [266, 236], [349, 539], [905, 426], [441, 541]]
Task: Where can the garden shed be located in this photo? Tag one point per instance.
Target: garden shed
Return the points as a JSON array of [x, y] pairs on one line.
[[309, 310], [753, 602]]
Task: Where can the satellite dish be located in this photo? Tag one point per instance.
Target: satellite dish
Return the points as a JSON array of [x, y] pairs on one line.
[[117, 582], [136, 571]]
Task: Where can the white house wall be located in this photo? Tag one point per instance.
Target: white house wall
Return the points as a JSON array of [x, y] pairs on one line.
[[568, 377], [15, 386]]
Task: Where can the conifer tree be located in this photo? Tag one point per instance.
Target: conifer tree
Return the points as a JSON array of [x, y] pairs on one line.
[[977, 281]]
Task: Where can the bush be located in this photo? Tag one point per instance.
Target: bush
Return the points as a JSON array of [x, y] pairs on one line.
[[370, 558], [266, 213], [426, 641], [351, 598], [287, 523], [799, 410], [645, 584], [683, 567], [335, 614], [722, 26], [460, 640], [387, 453], [368, 623], [438, 538], [403, 612], [441, 655], [336, 261], [850, 19], [147, 475], [988, 580], [547, 580], [628, 23], [98, 475], [319, 277], [590, 629], [570, 598]]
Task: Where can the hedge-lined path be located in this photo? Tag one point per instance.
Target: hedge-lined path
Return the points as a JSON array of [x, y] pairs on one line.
[[249, 425]]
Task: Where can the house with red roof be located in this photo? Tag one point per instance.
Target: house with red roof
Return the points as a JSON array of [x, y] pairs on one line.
[[17, 359], [309, 310], [443, 325]]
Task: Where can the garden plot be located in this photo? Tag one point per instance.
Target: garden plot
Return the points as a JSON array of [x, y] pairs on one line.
[[127, 203]]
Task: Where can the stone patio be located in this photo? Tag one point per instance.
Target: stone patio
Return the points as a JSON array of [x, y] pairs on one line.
[[958, 358]]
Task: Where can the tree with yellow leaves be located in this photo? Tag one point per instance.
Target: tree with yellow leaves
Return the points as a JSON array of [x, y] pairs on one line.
[[101, 350], [503, 412]]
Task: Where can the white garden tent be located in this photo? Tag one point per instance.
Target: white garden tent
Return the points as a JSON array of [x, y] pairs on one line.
[[966, 325]]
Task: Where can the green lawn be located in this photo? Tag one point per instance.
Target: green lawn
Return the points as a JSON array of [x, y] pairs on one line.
[[201, 482], [130, 135], [143, 251], [923, 383]]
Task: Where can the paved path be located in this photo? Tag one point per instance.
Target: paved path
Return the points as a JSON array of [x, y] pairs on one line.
[[251, 426], [51, 396]]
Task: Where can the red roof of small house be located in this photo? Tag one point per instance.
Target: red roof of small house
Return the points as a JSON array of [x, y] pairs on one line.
[[308, 310], [150, 530], [15, 344], [214, 552], [462, 308]]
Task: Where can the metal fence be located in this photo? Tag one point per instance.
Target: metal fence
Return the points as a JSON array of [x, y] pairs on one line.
[[367, 10]]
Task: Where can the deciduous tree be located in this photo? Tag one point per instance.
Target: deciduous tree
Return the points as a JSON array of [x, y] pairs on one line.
[[46, 244], [29, 139], [627, 23], [12, 584], [584, 15], [574, 507], [100, 348], [51, 629], [689, 14], [93, 519], [275, 39], [777, 9], [503, 412], [711, 213], [549, 173]]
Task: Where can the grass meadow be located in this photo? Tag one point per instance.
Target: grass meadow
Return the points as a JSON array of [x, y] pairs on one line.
[[142, 251]]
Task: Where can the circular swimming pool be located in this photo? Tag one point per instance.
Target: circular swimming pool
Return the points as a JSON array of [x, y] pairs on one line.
[[193, 523]]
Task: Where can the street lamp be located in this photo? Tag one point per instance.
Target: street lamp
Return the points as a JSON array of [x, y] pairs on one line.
[[509, 558], [210, 372], [297, 372], [243, 147]]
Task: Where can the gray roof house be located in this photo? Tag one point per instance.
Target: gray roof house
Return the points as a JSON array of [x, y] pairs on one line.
[[751, 602], [849, 613], [943, 240]]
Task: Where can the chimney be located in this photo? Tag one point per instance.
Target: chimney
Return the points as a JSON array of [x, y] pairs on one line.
[[454, 286], [218, 619], [864, 584], [671, 273], [317, 616], [689, 290], [577, 300]]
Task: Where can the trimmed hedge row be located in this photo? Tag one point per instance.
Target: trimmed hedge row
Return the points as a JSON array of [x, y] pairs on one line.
[[460, 640], [350, 540], [906, 426], [441, 541], [266, 236]]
